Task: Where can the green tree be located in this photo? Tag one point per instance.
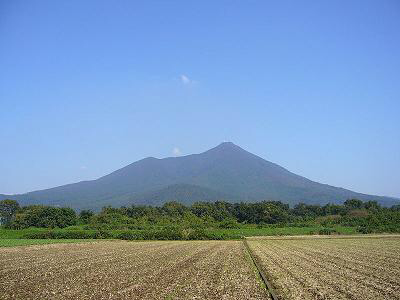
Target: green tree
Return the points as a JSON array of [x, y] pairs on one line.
[[85, 215], [46, 216], [273, 213], [8, 209], [372, 205], [174, 209], [202, 209], [353, 204]]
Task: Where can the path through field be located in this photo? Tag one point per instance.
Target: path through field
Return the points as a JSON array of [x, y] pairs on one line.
[[130, 270]]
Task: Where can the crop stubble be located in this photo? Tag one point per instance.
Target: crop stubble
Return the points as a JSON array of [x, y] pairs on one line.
[[334, 268], [129, 270]]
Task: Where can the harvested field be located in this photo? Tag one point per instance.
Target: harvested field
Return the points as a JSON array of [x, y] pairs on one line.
[[331, 268], [130, 270]]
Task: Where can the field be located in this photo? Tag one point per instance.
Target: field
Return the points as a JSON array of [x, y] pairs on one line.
[[130, 270], [297, 267], [331, 268]]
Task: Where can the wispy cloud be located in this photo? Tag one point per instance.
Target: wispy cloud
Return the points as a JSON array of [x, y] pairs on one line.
[[83, 167], [176, 151], [185, 79]]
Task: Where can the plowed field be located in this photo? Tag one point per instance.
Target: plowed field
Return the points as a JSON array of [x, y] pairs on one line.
[[130, 270], [331, 268], [298, 268]]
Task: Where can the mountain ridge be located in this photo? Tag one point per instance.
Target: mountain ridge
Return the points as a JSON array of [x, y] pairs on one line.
[[225, 172]]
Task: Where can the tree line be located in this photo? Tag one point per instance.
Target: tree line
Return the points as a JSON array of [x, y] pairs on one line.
[[368, 215]]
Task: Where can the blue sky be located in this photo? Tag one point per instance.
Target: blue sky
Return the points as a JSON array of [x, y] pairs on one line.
[[87, 87]]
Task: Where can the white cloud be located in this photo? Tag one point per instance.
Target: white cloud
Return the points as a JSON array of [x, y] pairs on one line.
[[185, 79], [176, 151], [83, 167]]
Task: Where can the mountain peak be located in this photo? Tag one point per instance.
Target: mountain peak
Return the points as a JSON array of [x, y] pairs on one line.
[[227, 145]]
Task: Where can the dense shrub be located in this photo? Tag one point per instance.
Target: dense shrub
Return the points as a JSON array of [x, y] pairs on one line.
[[229, 224], [365, 229], [203, 220], [176, 234], [327, 231], [44, 216], [73, 234], [391, 228]]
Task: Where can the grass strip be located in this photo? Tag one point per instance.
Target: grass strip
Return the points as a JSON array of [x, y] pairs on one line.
[[270, 288]]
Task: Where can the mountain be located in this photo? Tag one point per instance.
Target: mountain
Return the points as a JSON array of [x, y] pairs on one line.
[[226, 172]]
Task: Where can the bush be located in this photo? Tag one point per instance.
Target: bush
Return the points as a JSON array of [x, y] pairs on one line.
[[44, 216], [365, 229], [229, 224], [73, 234], [74, 227], [327, 231], [167, 233], [379, 229], [102, 234], [163, 234], [176, 234]]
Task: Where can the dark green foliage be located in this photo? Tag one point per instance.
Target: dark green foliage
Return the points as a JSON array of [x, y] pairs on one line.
[[85, 216], [174, 209], [177, 234], [353, 204], [327, 231], [229, 224], [305, 210], [365, 229], [206, 220], [372, 205], [71, 234], [8, 209], [44, 216]]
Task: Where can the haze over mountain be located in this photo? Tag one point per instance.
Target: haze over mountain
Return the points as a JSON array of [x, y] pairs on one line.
[[226, 172]]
